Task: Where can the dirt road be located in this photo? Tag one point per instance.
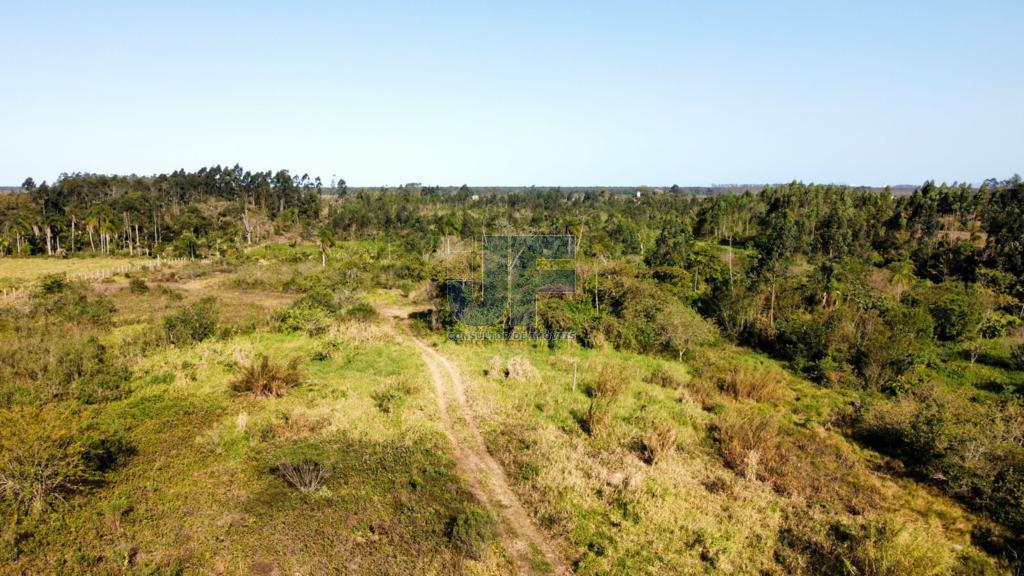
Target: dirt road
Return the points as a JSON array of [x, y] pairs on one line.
[[486, 478]]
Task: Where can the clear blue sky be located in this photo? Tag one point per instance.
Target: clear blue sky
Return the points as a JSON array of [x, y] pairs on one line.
[[560, 93]]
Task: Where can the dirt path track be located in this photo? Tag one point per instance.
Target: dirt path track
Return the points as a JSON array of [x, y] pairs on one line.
[[485, 476]]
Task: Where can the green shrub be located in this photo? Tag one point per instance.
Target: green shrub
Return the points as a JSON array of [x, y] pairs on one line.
[[957, 315], [262, 377], [318, 297], [812, 545], [470, 531], [997, 325], [193, 323], [73, 366], [53, 284], [41, 457], [72, 303], [969, 448], [298, 317], [362, 312], [137, 285], [105, 451]]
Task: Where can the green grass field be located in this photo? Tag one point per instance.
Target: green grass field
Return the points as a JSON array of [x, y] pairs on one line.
[[21, 271]]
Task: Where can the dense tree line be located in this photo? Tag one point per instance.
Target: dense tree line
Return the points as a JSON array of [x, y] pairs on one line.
[[182, 212]]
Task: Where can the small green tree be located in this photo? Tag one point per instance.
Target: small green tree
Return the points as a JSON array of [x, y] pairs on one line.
[[957, 315], [193, 323], [326, 242]]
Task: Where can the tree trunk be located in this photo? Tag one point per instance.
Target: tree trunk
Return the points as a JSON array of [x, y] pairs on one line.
[[92, 245]]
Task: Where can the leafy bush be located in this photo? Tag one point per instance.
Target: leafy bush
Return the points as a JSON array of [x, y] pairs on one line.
[[137, 285], [311, 320], [812, 545], [53, 283], [74, 303], [971, 449], [311, 313], [957, 314], [193, 323], [41, 457], [681, 328], [470, 531], [107, 451], [262, 377], [361, 312], [998, 324]]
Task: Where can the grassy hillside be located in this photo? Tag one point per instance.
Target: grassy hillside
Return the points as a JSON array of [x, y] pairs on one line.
[[268, 415]]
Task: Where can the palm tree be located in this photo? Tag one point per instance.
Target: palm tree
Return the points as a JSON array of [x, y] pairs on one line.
[[902, 277], [90, 224], [326, 242]]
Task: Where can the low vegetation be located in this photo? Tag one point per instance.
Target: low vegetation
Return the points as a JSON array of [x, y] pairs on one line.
[[803, 379], [264, 377]]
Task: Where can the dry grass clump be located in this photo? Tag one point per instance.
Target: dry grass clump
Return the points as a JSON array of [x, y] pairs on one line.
[[1017, 350], [298, 425], [703, 392], [391, 394], [759, 385], [306, 476], [657, 442], [598, 417], [664, 378], [607, 381], [263, 377], [495, 368], [888, 548], [796, 462], [517, 369], [750, 442], [367, 332]]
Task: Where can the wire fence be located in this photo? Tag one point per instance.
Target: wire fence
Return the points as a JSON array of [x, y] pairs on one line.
[[13, 294]]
